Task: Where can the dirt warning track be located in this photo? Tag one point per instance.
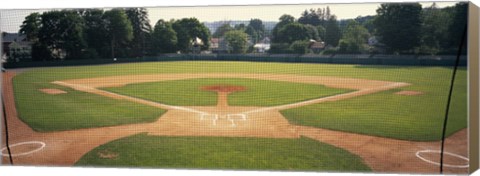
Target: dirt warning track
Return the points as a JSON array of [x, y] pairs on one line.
[[64, 148]]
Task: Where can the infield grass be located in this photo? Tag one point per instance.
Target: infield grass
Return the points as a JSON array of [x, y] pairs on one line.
[[258, 92], [380, 114], [75, 109], [223, 153]]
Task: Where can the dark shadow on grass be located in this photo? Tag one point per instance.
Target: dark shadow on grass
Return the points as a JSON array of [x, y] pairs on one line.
[[384, 67]]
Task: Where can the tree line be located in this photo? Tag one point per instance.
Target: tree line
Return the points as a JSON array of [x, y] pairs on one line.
[[397, 28], [96, 33]]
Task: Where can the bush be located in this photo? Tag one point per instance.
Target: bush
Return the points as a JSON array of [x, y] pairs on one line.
[[41, 52], [90, 53], [279, 48], [347, 47], [299, 47], [330, 51]]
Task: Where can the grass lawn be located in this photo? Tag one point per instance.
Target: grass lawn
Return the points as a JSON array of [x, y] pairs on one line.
[[381, 114], [258, 92], [75, 109], [386, 114], [223, 153]]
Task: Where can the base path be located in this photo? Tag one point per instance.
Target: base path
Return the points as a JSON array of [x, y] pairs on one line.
[[64, 148]]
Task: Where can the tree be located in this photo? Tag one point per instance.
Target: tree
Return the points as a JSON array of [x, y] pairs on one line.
[[313, 18], [332, 31], [138, 18], [222, 30], [96, 34], [254, 35], [366, 22], [399, 26], [354, 38], [240, 27], [62, 32], [434, 29], [321, 32], [456, 28], [164, 37], [292, 32], [237, 41], [312, 32], [30, 26], [284, 20], [187, 30], [119, 28], [258, 27]]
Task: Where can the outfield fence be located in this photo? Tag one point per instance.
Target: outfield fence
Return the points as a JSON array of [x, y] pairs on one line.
[[394, 60]]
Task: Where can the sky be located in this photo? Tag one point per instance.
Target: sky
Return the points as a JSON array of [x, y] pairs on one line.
[[268, 12], [10, 20]]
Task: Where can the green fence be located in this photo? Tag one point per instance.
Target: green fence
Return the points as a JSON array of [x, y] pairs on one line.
[[399, 60]]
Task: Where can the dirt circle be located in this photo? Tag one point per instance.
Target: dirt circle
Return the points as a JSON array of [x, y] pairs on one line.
[[451, 159], [52, 91], [23, 148], [223, 88]]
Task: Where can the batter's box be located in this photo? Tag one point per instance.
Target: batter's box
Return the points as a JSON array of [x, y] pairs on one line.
[[234, 117], [213, 117]]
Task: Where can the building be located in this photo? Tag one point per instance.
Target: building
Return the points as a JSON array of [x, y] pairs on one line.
[[15, 47], [316, 47], [262, 46], [218, 45]]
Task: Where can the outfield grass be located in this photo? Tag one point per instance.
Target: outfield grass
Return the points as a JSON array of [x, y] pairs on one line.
[[224, 153], [258, 92], [380, 114]]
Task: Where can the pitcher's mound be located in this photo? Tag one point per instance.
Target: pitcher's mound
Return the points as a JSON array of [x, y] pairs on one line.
[[53, 91], [407, 92], [223, 88]]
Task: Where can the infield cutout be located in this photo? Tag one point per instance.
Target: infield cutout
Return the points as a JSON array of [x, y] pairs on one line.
[[36, 143], [418, 154], [52, 91]]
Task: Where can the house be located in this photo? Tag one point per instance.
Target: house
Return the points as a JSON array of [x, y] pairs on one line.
[[219, 45], [375, 46], [15, 47], [196, 43], [262, 46], [316, 46]]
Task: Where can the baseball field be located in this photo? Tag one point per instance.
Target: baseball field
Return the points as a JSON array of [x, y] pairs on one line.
[[237, 115]]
